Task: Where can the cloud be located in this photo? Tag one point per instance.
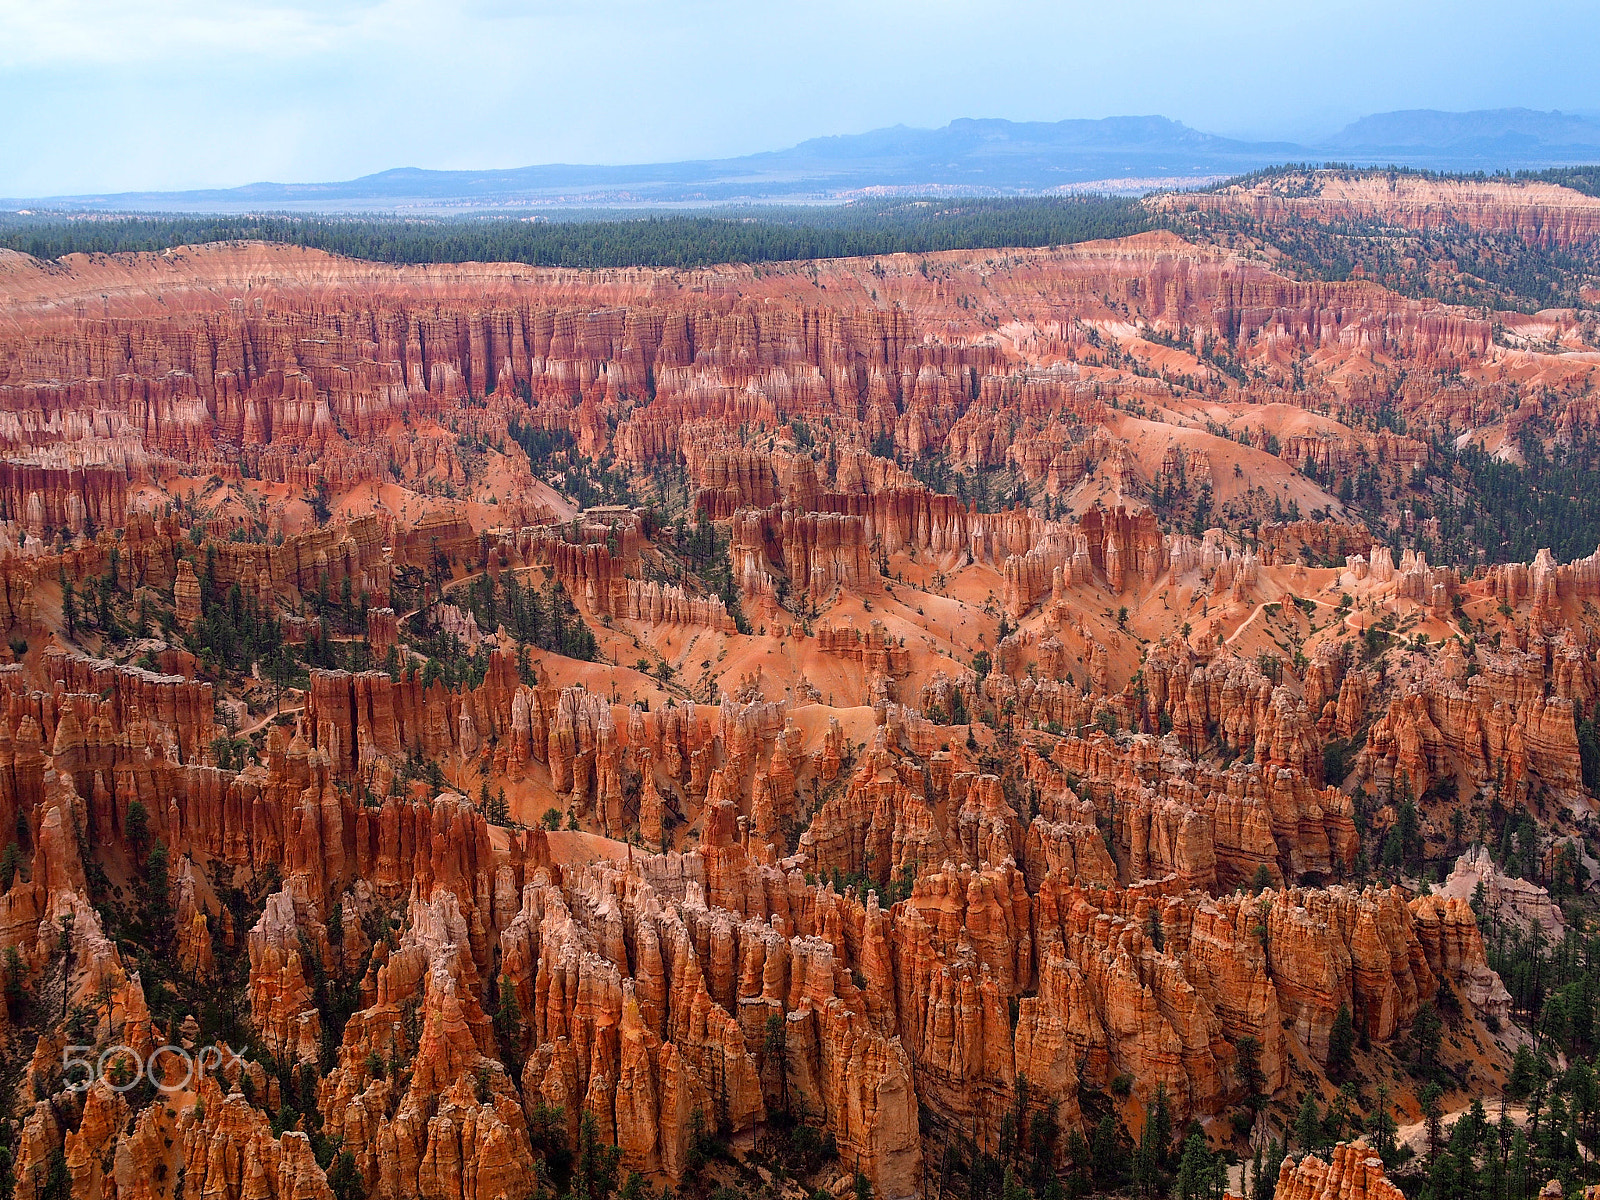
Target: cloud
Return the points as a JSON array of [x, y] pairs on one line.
[[76, 33], [181, 93]]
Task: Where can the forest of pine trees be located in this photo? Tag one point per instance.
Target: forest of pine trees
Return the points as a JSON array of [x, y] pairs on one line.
[[768, 234], [544, 618]]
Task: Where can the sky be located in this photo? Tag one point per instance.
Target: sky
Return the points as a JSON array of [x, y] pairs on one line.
[[116, 95]]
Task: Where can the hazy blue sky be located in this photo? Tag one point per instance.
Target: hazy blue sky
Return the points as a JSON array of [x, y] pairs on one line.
[[103, 95]]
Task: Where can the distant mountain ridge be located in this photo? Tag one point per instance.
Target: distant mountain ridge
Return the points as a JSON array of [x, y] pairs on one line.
[[976, 156], [1493, 133]]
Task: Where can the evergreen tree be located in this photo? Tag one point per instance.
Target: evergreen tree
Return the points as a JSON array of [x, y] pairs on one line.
[[1520, 1168], [1194, 1171], [137, 827], [1443, 1179], [345, 1178], [1432, 1118], [1524, 1073], [1494, 1176], [157, 897], [1159, 1125], [1247, 1068], [507, 1021], [1267, 1180], [1308, 1125], [1080, 1177], [1105, 1156], [594, 1173], [1427, 1030], [1150, 1162], [1341, 1042], [1381, 1126], [775, 1053], [57, 1178], [1408, 826]]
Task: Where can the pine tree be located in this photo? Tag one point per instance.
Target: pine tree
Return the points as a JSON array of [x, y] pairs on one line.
[[1409, 827], [1524, 1073], [58, 1179], [1442, 1182], [1426, 1032], [1520, 1168], [1341, 1042], [1247, 1068], [775, 1052], [1382, 1127], [1461, 1175], [507, 1021], [156, 893], [345, 1178], [10, 862], [1105, 1162], [1194, 1171], [1308, 1125], [1494, 1175], [958, 708], [594, 1174], [1160, 1124], [1340, 1115], [1151, 1159], [1432, 1117], [1267, 1180]]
